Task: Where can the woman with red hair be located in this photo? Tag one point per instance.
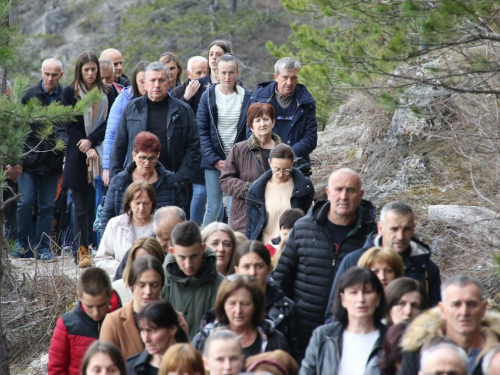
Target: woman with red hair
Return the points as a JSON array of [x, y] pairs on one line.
[[144, 167]]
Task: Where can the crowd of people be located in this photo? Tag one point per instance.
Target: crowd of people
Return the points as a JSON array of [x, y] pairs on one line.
[[214, 252]]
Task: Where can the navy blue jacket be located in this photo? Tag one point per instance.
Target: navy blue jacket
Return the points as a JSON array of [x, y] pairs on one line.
[[302, 136], [418, 266], [183, 141], [302, 196], [307, 266], [138, 364], [168, 192], [211, 146], [43, 161]]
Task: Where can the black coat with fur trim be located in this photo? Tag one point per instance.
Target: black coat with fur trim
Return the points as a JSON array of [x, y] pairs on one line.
[[430, 324]]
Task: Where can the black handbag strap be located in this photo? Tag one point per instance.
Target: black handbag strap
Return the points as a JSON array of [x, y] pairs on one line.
[[257, 162]]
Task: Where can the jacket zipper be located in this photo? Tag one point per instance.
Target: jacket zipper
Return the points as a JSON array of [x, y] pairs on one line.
[[213, 122]]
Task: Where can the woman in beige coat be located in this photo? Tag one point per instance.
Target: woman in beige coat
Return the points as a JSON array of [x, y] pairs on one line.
[[146, 279]]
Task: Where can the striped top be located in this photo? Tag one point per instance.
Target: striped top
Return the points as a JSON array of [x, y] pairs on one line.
[[228, 115]]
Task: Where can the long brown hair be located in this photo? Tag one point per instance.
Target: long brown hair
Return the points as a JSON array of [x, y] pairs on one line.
[[84, 58]]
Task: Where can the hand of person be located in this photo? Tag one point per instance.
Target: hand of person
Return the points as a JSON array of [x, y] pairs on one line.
[[11, 172], [191, 89], [91, 155], [220, 164], [105, 176], [84, 145], [18, 168]]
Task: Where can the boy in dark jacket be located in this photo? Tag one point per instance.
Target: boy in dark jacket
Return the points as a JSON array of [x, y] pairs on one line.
[[77, 329]]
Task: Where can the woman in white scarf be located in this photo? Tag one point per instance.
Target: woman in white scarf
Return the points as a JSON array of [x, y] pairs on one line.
[[84, 148]]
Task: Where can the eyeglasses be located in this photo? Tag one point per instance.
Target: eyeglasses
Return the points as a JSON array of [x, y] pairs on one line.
[[236, 276], [286, 171], [151, 159]]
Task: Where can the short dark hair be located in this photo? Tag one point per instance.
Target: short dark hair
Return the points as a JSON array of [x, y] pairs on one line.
[[252, 246], [282, 151], [143, 264], [94, 281], [232, 284], [140, 67], [289, 217], [161, 314], [186, 233], [356, 276], [107, 348], [400, 208], [146, 142], [320, 193], [399, 287], [139, 186], [257, 110]]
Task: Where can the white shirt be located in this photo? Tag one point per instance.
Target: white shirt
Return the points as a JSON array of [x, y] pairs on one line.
[[356, 348]]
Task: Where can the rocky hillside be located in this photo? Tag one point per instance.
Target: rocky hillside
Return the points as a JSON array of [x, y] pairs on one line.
[[143, 29]]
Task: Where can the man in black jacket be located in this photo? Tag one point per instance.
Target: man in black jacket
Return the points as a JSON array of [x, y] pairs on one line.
[[319, 241], [171, 120], [38, 176], [396, 229]]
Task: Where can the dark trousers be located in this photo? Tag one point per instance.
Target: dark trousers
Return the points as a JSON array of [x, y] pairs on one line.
[[83, 215]]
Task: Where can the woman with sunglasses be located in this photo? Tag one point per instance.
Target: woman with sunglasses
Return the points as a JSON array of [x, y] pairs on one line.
[[240, 307], [144, 167], [279, 189]]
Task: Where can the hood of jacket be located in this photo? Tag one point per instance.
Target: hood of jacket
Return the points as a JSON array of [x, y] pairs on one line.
[[430, 324], [253, 142], [266, 90], [207, 272], [419, 252], [365, 213]]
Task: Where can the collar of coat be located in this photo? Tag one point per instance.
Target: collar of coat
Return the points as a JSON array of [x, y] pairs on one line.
[[430, 324], [253, 142]]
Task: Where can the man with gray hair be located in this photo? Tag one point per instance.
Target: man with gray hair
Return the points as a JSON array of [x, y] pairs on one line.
[[120, 80], [171, 120], [444, 359], [396, 229], [38, 176], [197, 67], [108, 73], [462, 317], [295, 108]]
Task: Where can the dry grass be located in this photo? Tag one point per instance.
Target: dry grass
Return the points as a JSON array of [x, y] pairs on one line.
[[34, 295]]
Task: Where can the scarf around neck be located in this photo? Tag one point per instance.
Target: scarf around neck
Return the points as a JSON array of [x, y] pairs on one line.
[[93, 118]]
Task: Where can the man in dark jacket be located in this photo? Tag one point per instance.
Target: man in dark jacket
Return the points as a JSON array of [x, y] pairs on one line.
[[319, 241], [396, 229], [38, 176], [171, 120], [461, 316], [295, 120], [113, 55], [197, 67]]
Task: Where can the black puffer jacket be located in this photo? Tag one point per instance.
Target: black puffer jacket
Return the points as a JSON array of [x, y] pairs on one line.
[[325, 349], [287, 320], [43, 160], [307, 267], [302, 196], [272, 339], [168, 192]]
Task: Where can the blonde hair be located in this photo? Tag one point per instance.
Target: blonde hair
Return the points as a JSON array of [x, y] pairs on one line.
[[385, 255], [183, 359], [151, 245]]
